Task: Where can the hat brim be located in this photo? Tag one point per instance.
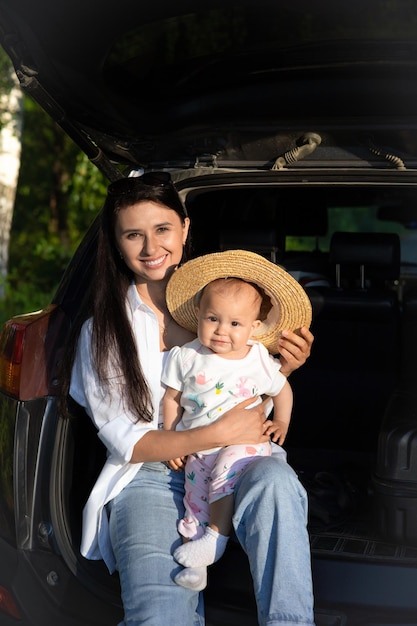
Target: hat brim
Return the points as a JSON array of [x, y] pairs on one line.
[[291, 307]]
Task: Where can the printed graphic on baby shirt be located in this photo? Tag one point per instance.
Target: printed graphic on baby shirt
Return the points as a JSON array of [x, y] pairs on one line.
[[245, 388], [201, 378], [212, 395], [219, 388], [196, 403]]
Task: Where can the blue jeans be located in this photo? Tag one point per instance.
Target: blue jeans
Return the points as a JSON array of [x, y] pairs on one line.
[[269, 521]]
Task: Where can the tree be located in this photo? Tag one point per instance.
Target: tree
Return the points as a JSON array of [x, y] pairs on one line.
[[11, 118], [59, 192]]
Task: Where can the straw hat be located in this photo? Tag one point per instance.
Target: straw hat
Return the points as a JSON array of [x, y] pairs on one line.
[[290, 309]]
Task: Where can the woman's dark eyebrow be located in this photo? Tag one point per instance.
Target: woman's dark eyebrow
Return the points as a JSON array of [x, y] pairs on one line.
[[139, 230]]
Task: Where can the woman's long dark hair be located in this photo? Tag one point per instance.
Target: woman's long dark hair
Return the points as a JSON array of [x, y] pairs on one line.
[[113, 345]]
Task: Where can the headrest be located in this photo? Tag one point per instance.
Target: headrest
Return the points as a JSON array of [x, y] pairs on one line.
[[378, 254]]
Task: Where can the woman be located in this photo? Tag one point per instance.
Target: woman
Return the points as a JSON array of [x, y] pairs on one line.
[[131, 516]]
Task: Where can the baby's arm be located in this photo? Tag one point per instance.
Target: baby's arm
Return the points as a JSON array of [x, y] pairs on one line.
[[172, 412], [171, 408], [278, 426]]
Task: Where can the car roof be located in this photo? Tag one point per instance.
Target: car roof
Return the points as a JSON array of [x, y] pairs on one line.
[[162, 83]]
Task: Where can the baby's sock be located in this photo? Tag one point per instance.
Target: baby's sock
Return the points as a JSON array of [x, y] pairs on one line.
[[202, 552], [192, 578]]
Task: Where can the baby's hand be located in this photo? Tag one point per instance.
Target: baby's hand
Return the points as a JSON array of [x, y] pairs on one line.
[[277, 430], [177, 464]]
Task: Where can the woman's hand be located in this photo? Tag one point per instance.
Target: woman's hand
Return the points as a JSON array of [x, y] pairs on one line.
[[177, 464], [241, 425], [294, 349]]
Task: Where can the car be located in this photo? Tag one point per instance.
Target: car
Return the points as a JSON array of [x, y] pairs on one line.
[[289, 129]]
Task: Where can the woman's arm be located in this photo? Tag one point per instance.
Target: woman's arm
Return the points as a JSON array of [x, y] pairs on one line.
[[237, 426], [294, 349]]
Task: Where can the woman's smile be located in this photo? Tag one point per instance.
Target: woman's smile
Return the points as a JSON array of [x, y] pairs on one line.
[[154, 263]]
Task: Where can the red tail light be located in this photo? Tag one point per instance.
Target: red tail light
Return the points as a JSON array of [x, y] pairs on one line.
[[8, 605], [29, 351], [12, 340]]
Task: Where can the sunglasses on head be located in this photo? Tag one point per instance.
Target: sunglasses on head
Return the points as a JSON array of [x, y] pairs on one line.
[[130, 185]]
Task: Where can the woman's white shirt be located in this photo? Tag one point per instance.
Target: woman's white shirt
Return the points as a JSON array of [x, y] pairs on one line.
[[117, 427]]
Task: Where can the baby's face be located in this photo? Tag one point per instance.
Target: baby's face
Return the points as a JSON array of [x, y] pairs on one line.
[[227, 319]]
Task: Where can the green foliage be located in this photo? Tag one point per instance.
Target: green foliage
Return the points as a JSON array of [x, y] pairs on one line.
[[22, 298], [86, 193], [59, 194], [6, 72]]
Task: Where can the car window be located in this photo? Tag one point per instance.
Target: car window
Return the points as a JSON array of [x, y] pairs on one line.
[[359, 219]]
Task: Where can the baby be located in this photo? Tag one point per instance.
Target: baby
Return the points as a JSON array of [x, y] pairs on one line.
[[204, 379]]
